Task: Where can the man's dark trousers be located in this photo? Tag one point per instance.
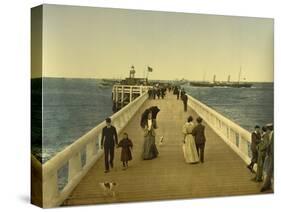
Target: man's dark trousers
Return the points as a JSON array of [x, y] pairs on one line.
[[200, 150], [108, 153], [185, 106]]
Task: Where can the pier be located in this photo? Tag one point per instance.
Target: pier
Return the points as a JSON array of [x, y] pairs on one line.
[[224, 172]]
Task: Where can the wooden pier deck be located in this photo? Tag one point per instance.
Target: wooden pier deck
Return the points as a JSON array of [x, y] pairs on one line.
[[168, 176]]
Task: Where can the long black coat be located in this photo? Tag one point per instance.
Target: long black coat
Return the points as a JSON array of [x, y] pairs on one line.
[[256, 139], [109, 137], [184, 98]]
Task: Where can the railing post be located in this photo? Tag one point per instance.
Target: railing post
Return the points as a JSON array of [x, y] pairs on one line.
[[122, 96], [99, 142], [74, 166], [131, 93], [243, 146], [50, 188], [89, 151]]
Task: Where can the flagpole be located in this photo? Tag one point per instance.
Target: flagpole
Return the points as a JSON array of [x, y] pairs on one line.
[[147, 73]]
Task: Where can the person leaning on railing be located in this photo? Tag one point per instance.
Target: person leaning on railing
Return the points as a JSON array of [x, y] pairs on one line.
[[256, 139], [269, 148], [262, 148]]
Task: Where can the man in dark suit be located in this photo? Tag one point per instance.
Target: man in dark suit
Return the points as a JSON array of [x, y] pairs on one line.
[[256, 139], [176, 92], [199, 136], [108, 140], [184, 99]]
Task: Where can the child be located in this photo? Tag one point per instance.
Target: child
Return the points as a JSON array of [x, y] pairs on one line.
[[126, 145]]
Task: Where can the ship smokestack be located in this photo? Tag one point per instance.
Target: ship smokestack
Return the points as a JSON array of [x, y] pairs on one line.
[[214, 78], [228, 79]]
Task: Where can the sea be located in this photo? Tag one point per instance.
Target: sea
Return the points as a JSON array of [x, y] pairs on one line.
[[246, 107], [72, 107]]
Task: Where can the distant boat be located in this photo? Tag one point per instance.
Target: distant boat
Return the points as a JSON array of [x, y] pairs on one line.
[[222, 84], [227, 83], [105, 84], [180, 82], [108, 82], [202, 84]]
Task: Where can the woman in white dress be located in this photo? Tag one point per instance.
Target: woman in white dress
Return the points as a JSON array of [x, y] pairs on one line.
[[189, 147]]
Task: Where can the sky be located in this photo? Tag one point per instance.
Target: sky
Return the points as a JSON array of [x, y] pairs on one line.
[[88, 42]]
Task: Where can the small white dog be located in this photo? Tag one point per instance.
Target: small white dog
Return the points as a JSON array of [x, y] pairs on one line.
[[108, 187]]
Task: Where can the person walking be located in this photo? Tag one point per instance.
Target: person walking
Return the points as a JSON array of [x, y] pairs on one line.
[[255, 138], [199, 135], [184, 100], [189, 147], [108, 140], [149, 148], [126, 145], [150, 93], [177, 92], [180, 93], [154, 93], [158, 93]]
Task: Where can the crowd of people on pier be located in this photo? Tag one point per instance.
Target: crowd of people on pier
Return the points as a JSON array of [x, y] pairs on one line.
[[194, 139], [157, 92]]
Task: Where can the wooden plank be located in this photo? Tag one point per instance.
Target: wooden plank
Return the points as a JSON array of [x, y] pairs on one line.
[[168, 176]]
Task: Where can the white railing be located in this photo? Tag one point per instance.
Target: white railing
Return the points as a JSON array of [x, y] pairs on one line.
[[231, 133], [137, 89], [75, 160], [118, 91]]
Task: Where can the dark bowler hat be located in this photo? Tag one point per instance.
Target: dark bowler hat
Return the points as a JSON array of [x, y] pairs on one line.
[[199, 119], [269, 126], [108, 120], [257, 127]]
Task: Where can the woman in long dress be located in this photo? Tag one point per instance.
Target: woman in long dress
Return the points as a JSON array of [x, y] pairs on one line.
[[189, 147], [149, 148]]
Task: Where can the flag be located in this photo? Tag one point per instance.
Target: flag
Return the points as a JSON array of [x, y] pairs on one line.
[[149, 69]]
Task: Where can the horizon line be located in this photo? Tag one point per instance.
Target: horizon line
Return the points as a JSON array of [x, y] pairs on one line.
[[57, 77]]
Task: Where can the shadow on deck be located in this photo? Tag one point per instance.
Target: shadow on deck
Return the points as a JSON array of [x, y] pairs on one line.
[[168, 176]]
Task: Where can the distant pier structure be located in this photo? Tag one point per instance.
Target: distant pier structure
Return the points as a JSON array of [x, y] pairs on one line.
[[128, 90]]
